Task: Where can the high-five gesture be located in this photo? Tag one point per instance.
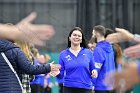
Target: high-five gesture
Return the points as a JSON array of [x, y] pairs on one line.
[[120, 36], [34, 33]]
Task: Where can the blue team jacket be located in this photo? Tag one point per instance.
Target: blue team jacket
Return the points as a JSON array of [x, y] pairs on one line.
[[104, 63], [77, 69]]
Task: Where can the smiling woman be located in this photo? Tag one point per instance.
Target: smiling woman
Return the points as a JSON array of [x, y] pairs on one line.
[[77, 33], [77, 63], [75, 39]]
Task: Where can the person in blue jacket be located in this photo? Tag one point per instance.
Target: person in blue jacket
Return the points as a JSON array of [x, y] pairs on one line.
[[77, 64], [117, 51], [37, 85], [104, 60], [18, 60]]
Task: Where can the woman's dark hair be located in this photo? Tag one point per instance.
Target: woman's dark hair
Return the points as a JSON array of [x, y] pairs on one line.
[[83, 44]]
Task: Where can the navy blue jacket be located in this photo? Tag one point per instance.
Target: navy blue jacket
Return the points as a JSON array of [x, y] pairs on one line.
[[104, 63], [8, 81]]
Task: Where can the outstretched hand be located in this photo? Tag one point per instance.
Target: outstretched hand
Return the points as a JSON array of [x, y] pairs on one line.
[[34, 33], [122, 81], [133, 51], [120, 36]]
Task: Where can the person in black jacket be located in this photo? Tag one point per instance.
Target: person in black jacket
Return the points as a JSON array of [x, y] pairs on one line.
[[8, 80]]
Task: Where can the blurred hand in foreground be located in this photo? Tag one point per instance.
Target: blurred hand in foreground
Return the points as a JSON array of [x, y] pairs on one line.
[[125, 79], [34, 33], [133, 51], [120, 36]]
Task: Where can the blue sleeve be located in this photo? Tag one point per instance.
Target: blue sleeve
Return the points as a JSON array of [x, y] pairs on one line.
[[61, 62], [25, 65], [91, 64], [98, 58]]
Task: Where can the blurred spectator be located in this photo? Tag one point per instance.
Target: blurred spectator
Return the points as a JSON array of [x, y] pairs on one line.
[[92, 42], [21, 64], [48, 84], [37, 84], [123, 79], [26, 78]]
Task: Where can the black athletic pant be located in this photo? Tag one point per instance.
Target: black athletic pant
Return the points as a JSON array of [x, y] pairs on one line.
[[103, 91], [36, 88], [76, 90], [113, 91], [60, 88], [47, 90]]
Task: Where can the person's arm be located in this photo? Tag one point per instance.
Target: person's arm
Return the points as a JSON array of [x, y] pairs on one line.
[[123, 35], [26, 31], [91, 64], [98, 61], [133, 51], [92, 68], [61, 74], [9, 32], [136, 38], [26, 66], [120, 36], [127, 78]]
